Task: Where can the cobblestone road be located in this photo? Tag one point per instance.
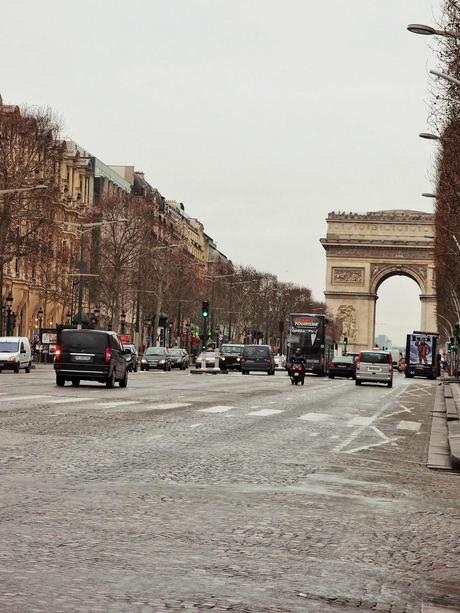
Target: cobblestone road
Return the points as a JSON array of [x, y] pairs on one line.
[[222, 493]]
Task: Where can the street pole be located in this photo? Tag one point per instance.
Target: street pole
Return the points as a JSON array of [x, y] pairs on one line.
[[80, 286]]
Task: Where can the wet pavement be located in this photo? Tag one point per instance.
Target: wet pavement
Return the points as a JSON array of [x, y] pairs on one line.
[[223, 493]]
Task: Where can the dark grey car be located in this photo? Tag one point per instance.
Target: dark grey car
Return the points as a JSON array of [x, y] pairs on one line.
[[156, 357], [258, 358]]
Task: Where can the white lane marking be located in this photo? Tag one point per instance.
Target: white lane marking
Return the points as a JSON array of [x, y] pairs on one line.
[[391, 398], [195, 425], [334, 436], [169, 405], [256, 406], [360, 421], [265, 412], [313, 433], [68, 400], [216, 409], [314, 417], [414, 426], [116, 403], [403, 409], [18, 398]]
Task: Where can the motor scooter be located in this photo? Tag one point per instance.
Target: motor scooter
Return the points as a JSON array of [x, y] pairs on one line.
[[297, 374]]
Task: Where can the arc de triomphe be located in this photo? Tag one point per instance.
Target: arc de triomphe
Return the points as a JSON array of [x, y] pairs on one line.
[[364, 249]]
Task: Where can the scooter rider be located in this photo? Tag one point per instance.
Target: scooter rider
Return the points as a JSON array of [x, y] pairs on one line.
[[297, 358]]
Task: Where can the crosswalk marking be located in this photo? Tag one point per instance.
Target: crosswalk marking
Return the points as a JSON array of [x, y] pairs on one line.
[[18, 398], [67, 400], [216, 409], [414, 426], [116, 403], [169, 405], [265, 412], [315, 416], [360, 421]]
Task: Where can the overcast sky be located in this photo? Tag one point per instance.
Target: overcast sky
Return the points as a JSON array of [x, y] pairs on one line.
[[261, 116]]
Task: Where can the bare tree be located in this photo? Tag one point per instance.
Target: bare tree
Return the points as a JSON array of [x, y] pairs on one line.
[[30, 151]]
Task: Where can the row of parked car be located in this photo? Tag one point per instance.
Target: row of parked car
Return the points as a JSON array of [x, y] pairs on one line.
[[245, 358]]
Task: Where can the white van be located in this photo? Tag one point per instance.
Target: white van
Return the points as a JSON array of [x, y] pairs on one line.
[[15, 353]]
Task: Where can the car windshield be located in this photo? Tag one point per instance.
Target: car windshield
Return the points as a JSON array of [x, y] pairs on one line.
[[232, 349], [73, 340], [155, 351], [177, 353], [343, 359], [374, 358], [9, 346], [255, 352]]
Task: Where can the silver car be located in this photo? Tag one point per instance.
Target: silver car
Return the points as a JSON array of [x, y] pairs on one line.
[[374, 366]]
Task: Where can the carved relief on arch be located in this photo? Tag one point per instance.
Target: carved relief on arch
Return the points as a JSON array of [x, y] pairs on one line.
[[347, 275], [346, 320], [418, 272]]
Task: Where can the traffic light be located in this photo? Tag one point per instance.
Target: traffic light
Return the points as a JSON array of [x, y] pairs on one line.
[[345, 340], [205, 309]]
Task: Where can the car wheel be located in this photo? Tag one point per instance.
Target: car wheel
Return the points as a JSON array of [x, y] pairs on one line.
[[390, 384], [60, 381], [16, 369], [124, 382], [110, 381], [357, 382], [75, 382], [135, 368], [28, 367], [331, 376]]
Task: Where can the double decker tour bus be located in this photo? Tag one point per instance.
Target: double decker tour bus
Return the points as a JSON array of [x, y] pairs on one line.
[[313, 333]]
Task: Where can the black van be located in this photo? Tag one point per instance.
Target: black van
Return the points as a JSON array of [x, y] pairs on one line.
[[258, 357], [90, 355]]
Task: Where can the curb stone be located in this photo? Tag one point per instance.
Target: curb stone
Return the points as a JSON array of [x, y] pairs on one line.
[[452, 405]]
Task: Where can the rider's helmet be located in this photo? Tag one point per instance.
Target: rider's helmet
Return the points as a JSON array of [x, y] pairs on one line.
[[298, 352]]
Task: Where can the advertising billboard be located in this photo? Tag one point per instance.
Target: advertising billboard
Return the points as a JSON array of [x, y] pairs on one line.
[[421, 349]]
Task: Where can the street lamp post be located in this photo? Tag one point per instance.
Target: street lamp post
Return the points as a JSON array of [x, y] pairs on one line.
[[122, 321], [40, 319], [8, 305], [424, 30], [97, 315]]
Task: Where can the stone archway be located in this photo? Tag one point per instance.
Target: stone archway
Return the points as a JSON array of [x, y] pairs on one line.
[[365, 249]]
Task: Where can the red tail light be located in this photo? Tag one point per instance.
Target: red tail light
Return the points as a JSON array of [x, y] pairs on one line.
[[330, 364], [360, 357], [108, 355], [57, 353], [321, 361]]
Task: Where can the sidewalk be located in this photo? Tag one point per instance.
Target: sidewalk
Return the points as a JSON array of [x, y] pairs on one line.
[[444, 452]]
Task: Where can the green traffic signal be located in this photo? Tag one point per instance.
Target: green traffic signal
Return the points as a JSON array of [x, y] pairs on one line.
[[205, 309]]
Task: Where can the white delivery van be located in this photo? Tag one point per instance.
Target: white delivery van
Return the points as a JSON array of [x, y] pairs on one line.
[[15, 353]]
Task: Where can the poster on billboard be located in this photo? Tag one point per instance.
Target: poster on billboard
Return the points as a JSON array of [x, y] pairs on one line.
[[421, 349]]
